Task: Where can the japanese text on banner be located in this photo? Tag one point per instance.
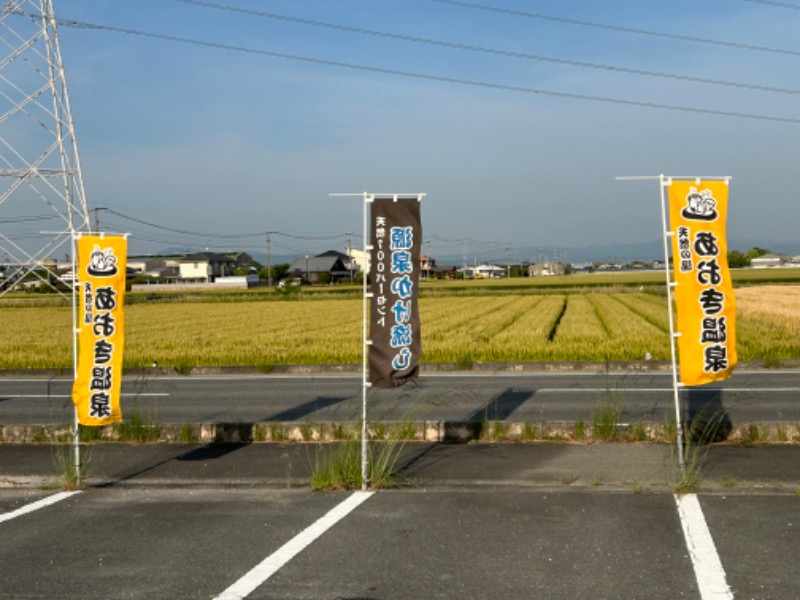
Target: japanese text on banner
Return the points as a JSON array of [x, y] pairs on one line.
[[704, 292], [98, 380], [394, 321]]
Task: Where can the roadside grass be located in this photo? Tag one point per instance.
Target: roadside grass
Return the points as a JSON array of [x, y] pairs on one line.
[[337, 466], [139, 426], [605, 420], [70, 477], [755, 434], [700, 433]]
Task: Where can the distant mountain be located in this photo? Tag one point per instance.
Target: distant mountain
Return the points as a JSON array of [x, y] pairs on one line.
[[649, 251], [617, 253]]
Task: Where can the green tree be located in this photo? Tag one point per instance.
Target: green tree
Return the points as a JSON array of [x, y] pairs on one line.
[[279, 271], [737, 259], [755, 252]]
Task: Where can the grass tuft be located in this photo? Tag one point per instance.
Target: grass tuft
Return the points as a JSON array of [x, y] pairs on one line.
[[528, 432], [338, 466], [580, 429], [637, 432], [702, 432], [276, 432], [187, 433], [753, 435], [605, 420], [64, 463], [139, 427]]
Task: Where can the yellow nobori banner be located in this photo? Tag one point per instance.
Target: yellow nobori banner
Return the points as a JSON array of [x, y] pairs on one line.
[[101, 277], [704, 291]]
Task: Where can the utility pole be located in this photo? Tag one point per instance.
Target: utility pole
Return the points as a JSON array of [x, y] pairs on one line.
[[97, 218], [269, 261], [350, 253]]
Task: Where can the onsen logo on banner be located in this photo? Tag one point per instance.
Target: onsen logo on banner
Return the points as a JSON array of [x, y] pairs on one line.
[[396, 238], [704, 291]]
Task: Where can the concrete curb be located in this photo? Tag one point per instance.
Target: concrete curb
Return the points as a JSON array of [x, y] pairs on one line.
[[499, 367], [445, 432]]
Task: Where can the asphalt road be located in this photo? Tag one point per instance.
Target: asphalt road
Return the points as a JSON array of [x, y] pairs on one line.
[[475, 521], [750, 396]]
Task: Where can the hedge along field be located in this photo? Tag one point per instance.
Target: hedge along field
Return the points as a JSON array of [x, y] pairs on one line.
[[458, 329]]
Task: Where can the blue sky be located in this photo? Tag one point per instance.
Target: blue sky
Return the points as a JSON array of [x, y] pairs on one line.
[[204, 139]]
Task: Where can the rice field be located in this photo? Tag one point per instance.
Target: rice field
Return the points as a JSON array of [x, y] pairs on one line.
[[768, 322], [575, 326]]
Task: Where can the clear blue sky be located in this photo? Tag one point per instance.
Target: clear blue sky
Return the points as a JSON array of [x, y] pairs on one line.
[[205, 139]]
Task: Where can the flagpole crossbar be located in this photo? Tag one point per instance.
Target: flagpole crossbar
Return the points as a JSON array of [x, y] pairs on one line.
[[674, 177]]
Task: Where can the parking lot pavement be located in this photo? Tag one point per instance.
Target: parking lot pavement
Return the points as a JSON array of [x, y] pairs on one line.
[[473, 521], [638, 467]]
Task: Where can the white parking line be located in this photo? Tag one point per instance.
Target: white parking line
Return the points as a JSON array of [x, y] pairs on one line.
[[270, 565], [29, 508], [707, 565]]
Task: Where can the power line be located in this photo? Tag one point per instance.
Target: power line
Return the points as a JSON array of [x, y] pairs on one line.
[[488, 50], [182, 231], [311, 237], [437, 78], [225, 236], [23, 219], [660, 34], [774, 3]]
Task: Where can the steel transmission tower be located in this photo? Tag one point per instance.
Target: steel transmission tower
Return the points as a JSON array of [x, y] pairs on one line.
[[42, 200]]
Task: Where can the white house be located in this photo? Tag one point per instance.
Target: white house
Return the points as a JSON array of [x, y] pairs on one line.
[[360, 260], [768, 261], [484, 271], [547, 268], [205, 267]]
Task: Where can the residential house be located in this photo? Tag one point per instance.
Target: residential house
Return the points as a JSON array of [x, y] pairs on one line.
[[360, 259], [483, 272], [427, 266], [242, 259], [205, 267], [443, 272], [546, 268], [769, 261], [144, 265], [332, 265]]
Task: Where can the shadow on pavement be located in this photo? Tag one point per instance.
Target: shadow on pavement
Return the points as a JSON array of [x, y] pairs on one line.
[[202, 453], [707, 420], [298, 412], [211, 451], [499, 408]]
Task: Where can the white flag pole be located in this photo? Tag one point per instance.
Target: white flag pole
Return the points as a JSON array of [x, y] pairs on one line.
[[365, 384], [665, 182], [76, 448], [666, 235]]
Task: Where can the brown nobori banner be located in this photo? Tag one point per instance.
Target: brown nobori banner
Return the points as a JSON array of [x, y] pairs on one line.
[[704, 290], [396, 237]]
